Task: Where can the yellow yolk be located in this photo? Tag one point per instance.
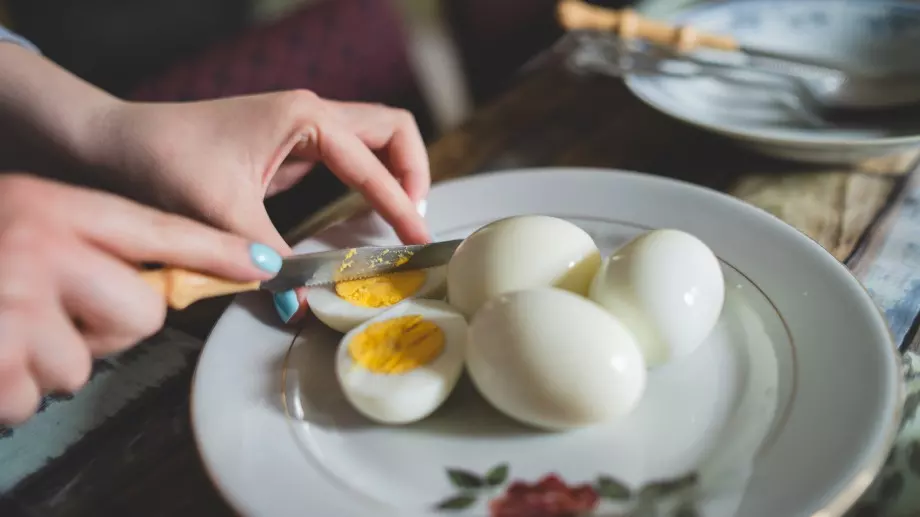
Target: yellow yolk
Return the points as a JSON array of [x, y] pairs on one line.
[[398, 345], [346, 263], [381, 291]]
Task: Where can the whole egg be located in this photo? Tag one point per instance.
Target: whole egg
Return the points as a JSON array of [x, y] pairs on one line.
[[554, 360], [521, 252], [667, 287]]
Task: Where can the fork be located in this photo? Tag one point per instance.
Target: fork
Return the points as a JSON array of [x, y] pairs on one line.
[[619, 58]]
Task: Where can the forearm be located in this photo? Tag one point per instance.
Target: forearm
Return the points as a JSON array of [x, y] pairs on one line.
[[47, 115]]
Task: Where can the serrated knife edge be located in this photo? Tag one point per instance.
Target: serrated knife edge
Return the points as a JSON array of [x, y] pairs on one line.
[[329, 267]]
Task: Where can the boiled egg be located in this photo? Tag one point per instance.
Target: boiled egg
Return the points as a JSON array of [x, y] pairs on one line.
[[554, 360], [667, 287], [522, 252], [401, 365], [345, 305]]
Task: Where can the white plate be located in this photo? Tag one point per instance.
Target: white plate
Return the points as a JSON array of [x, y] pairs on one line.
[[799, 381], [872, 35]]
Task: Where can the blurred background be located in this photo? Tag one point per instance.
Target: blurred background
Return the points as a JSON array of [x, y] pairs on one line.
[[436, 57]]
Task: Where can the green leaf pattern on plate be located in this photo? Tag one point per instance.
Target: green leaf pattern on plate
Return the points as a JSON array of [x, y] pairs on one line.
[[497, 475], [895, 492], [464, 479], [610, 488], [457, 502], [472, 488]]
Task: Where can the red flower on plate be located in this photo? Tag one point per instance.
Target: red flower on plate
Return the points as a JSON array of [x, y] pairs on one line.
[[549, 497]]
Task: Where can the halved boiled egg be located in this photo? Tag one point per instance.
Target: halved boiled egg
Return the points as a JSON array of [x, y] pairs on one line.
[[401, 365], [345, 305]]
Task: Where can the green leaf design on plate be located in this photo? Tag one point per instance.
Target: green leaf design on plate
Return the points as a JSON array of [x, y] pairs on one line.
[[913, 457], [457, 502], [666, 487], [610, 488], [464, 479], [497, 475]]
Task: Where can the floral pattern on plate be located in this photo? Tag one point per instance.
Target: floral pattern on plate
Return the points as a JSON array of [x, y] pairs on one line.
[[551, 496]]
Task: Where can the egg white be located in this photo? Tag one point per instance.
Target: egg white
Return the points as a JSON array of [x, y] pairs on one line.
[[521, 252], [342, 315], [554, 360], [413, 395], [667, 287]]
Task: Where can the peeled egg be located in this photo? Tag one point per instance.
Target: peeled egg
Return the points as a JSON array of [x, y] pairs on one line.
[[345, 305], [401, 365], [522, 252], [667, 287], [554, 360]]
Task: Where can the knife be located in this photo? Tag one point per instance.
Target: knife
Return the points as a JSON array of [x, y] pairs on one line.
[[183, 287]]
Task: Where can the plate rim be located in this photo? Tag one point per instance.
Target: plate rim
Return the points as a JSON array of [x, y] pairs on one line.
[[836, 506], [636, 84]]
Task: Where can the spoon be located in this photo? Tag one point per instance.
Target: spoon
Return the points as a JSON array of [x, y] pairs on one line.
[[828, 87]]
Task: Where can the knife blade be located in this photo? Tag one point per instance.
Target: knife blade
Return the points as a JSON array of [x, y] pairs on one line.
[[329, 267]]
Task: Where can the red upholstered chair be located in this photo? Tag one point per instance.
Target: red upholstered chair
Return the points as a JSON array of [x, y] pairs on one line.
[[342, 49]]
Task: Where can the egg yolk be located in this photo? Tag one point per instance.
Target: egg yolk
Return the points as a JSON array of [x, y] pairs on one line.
[[381, 291], [398, 345]]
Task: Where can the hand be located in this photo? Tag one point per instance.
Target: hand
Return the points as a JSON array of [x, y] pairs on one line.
[[217, 160], [69, 288]]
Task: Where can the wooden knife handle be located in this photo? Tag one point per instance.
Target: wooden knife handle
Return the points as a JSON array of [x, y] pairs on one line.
[[626, 23], [182, 287]]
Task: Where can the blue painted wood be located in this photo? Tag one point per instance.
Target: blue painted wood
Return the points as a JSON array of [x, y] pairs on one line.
[[117, 381], [892, 275]]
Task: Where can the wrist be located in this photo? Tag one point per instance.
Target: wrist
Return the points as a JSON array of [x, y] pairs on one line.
[[59, 117]]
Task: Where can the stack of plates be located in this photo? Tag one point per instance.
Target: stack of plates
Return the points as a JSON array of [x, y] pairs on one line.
[[872, 36]]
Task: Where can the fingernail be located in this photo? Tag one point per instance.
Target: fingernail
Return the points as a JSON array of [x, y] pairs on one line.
[[265, 258], [422, 207], [286, 304]]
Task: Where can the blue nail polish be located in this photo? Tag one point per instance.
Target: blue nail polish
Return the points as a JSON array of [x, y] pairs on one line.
[[286, 304], [265, 258]]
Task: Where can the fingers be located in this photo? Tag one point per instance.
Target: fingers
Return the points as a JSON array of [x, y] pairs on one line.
[[59, 357], [140, 234], [291, 305], [394, 133], [251, 220], [322, 130], [358, 168], [40, 352], [287, 175], [113, 314], [19, 394]]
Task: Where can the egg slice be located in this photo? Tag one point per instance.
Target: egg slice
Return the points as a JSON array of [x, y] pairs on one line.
[[522, 252], [667, 287], [401, 365], [345, 305], [554, 360]]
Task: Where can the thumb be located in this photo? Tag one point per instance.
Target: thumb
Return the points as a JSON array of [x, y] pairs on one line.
[[256, 224]]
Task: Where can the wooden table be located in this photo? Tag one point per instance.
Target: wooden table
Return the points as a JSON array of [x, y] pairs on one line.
[[143, 461]]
